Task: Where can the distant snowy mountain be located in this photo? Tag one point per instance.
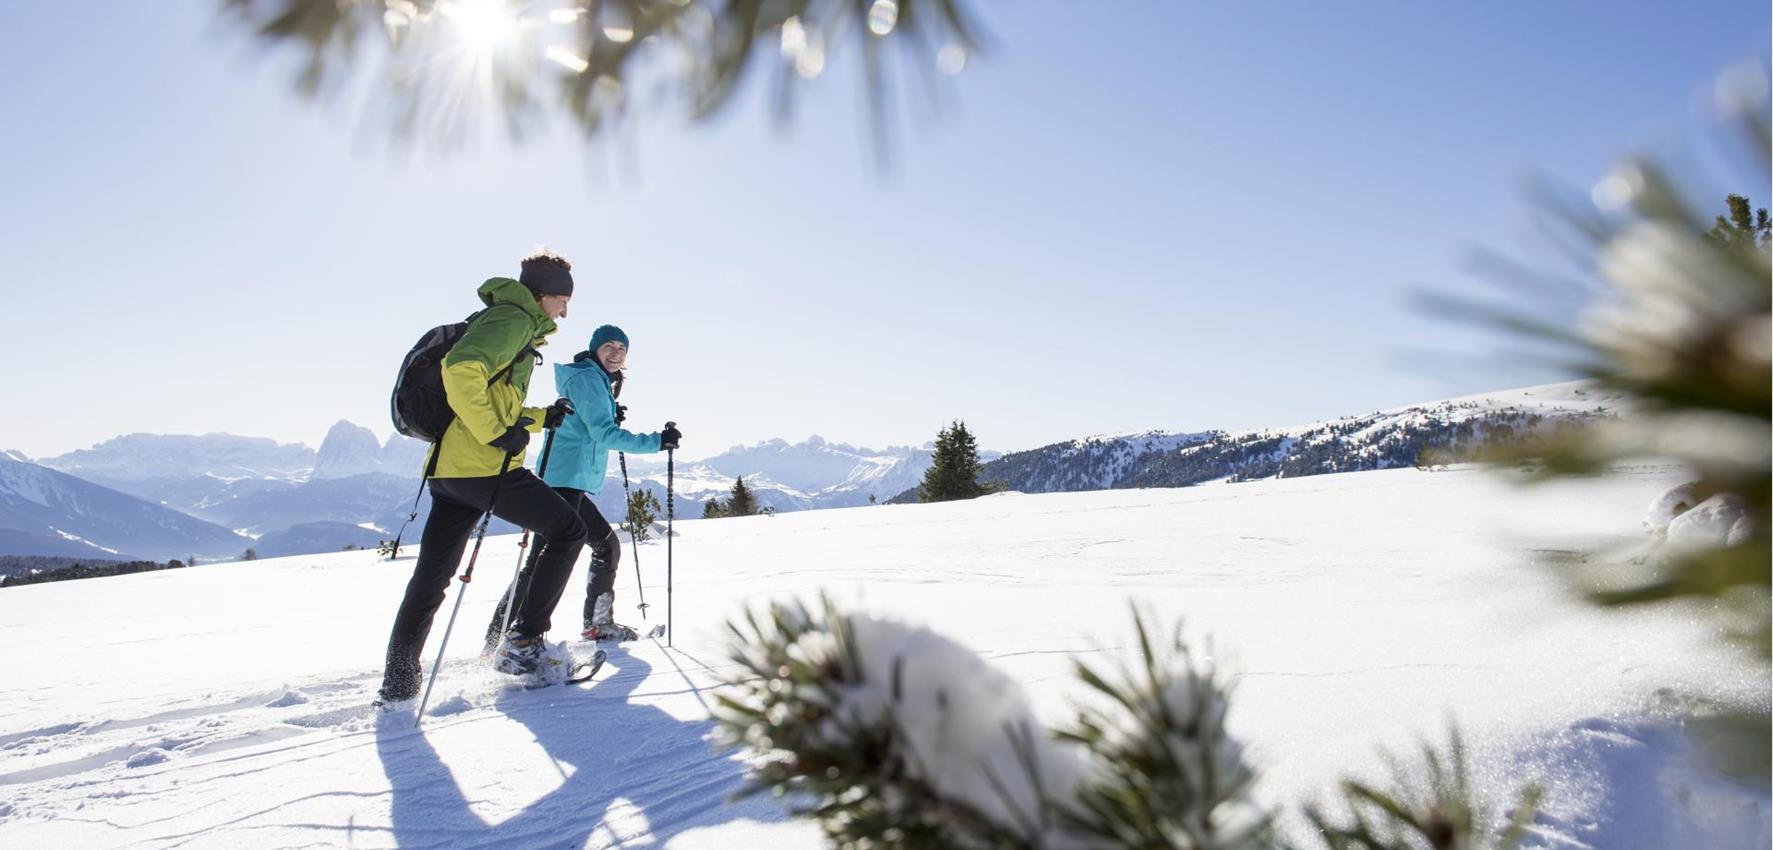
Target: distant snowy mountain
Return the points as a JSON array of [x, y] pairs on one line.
[[328, 498], [145, 457], [1384, 440], [811, 474], [258, 486], [1381, 440], [258, 507], [1090, 463], [47, 512], [353, 450]]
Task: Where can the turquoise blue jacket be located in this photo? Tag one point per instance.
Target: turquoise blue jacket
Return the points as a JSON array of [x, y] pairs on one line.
[[580, 455]]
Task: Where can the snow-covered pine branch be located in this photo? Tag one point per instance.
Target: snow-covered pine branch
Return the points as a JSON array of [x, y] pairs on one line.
[[1430, 806], [894, 736], [1168, 774], [898, 737]]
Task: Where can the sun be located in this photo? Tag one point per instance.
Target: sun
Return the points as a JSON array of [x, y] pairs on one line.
[[483, 26]]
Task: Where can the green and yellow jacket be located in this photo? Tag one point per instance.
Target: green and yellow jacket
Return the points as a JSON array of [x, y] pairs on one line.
[[505, 333]]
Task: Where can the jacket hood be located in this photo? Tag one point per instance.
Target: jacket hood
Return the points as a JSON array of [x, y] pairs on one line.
[[564, 372], [504, 290]]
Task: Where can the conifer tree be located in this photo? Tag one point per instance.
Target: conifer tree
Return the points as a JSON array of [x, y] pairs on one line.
[[714, 508], [742, 502], [954, 471], [643, 510]]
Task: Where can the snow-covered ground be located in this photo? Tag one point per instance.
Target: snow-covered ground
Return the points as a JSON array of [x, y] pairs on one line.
[[227, 705]]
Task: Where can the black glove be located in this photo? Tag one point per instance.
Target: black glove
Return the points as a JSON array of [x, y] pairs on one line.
[[670, 437], [515, 437], [621, 413], [557, 413]]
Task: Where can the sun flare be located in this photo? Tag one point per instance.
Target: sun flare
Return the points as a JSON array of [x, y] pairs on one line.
[[483, 26]]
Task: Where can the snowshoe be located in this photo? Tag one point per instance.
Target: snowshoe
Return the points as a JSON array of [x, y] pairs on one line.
[[611, 631]]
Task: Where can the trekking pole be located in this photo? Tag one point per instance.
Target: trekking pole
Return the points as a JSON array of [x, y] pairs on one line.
[[466, 576], [523, 543], [628, 505], [670, 518]]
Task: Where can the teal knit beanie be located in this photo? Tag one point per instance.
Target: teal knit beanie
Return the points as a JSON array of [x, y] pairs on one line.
[[607, 333]]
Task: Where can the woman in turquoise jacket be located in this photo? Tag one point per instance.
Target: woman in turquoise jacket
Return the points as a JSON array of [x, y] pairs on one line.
[[577, 462]]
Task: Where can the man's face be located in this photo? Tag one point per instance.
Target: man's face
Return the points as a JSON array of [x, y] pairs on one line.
[[554, 306]]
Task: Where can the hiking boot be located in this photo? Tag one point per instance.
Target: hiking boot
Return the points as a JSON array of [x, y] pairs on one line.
[[611, 631], [602, 625], [518, 655]]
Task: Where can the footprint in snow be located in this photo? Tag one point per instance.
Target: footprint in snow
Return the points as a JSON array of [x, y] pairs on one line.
[[146, 757], [454, 705], [288, 699]]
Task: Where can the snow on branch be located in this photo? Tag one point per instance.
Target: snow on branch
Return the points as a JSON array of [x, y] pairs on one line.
[[890, 735]]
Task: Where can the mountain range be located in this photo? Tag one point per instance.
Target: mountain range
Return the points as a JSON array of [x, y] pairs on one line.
[[1381, 440], [46, 512], [355, 490], [214, 495]]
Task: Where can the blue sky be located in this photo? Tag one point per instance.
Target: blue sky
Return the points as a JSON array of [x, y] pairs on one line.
[[1131, 215]]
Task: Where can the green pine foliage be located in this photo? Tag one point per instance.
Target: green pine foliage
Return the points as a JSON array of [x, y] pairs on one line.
[[826, 722], [1681, 330], [709, 44], [714, 508], [1743, 231], [643, 511], [850, 771], [1430, 806], [954, 471], [741, 501], [24, 569]]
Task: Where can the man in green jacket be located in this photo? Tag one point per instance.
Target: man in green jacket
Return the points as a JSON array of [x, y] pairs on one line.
[[481, 454]]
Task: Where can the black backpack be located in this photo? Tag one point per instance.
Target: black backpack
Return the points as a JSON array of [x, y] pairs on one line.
[[419, 405]]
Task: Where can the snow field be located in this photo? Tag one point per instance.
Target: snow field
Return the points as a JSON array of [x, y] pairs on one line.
[[227, 705]]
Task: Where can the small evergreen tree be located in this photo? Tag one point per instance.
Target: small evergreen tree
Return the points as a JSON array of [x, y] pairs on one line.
[[249, 555], [742, 502], [643, 509], [714, 508], [954, 472]]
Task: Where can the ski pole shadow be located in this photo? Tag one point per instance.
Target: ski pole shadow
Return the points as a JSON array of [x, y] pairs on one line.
[[655, 774]]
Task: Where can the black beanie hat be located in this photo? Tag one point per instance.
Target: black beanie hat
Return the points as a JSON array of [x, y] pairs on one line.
[[546, 276]]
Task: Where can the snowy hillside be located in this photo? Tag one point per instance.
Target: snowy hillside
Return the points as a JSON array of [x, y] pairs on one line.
[[1090, 463], [1382, 440], [46, 512], [227, 706], [811, 474]]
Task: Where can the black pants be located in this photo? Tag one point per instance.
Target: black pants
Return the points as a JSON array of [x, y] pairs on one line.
[[606, 557], [456, 506]]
